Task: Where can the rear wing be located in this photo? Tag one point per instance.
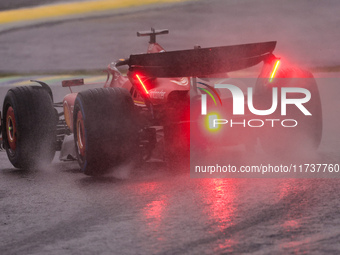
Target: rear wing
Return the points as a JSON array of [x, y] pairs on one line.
[[201, 61]]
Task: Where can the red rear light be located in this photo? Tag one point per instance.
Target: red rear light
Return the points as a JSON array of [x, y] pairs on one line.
[[276, 65], [143, 85]]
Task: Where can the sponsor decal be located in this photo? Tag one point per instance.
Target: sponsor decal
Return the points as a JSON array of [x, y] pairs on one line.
[[182, 82], [157, 94]]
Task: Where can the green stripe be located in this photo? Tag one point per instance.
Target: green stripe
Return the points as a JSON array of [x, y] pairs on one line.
[[206, 91]]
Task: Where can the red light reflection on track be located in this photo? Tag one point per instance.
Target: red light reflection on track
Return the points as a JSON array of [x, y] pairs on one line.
[[153, 212], [290, 224], [221, 201], [220, 195]]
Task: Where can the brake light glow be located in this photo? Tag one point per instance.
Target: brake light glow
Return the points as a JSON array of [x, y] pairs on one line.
[[141, 82], [277, 63]]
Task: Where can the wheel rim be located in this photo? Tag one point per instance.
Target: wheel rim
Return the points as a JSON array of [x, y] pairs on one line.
[[81, 134], [11, 129]]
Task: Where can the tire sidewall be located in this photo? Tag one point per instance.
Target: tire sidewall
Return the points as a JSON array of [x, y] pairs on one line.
[[13, 156], [83, 161]]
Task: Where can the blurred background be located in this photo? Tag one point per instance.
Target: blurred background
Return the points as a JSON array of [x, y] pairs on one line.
[[154, 209]]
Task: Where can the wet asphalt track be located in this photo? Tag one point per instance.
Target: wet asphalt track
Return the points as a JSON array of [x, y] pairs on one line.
[[155, 210], [306, 33]]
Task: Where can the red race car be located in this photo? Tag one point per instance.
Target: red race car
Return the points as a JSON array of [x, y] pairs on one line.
[[162, 98]]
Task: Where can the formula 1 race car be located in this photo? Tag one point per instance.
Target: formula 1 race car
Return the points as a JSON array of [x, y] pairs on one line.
[[161, 100]]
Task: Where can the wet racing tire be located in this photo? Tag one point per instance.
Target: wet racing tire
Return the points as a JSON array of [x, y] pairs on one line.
[[29, 127], [105, 130], [306, 135]]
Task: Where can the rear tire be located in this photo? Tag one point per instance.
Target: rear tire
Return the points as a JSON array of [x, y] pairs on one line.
[[307, 134], [29, 126], [105, 131]]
